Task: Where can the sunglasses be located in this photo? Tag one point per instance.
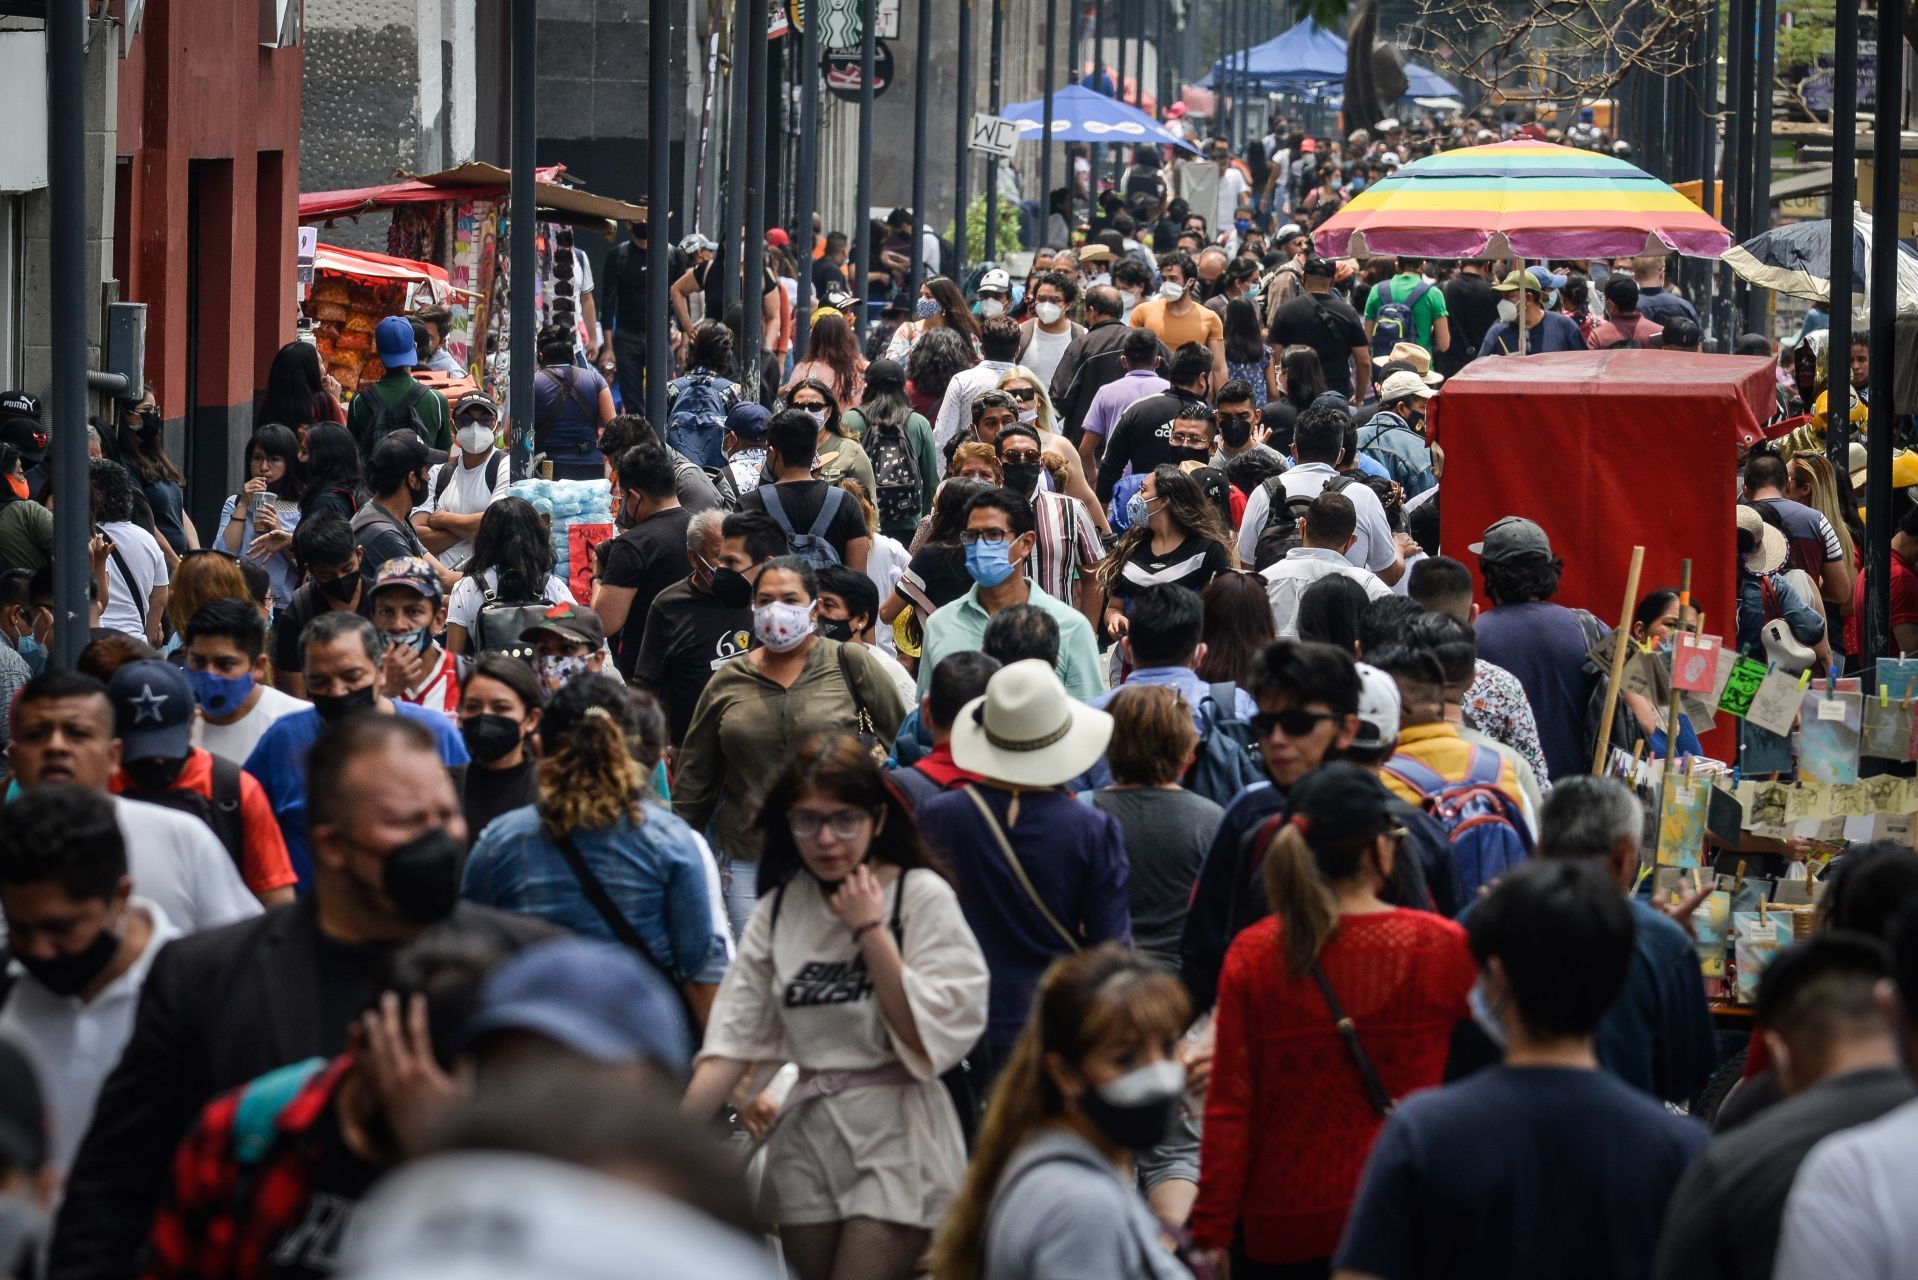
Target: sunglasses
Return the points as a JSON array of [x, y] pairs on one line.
[[1294, 723], [1027, 394]]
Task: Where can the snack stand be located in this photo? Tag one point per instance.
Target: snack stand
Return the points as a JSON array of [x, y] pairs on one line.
[[352, 291]]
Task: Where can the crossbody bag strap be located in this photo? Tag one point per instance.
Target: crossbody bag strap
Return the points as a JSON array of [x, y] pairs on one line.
[[1382, 1101], [1018, 868], [622, 928], [133, 584], [862, 717]]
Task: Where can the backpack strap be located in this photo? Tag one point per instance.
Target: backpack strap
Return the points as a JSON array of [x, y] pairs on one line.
[[1485, 767], [1418, 294], [256, 1118], [227, 823], [827, 511], [776, 508], [444, 480], [1416, 774]]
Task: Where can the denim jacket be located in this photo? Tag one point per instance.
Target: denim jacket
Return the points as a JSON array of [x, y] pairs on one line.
[[1807, 624]]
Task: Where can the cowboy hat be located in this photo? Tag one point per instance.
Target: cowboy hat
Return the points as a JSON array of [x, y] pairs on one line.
[[1413, 354], [1770, 549], [1027, 729]]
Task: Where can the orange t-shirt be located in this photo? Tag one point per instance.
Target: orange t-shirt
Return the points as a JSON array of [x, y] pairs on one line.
[[265, 866]]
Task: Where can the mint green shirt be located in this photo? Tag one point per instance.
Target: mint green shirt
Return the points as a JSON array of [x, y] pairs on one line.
[[961, 625]]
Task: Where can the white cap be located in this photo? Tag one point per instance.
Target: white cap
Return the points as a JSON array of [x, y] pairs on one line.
[[995, 281], [1287, 231], [1390, 159], [1404, 383], [1378, 708]]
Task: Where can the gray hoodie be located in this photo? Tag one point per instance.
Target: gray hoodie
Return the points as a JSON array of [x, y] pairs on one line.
[[1062, 1212]]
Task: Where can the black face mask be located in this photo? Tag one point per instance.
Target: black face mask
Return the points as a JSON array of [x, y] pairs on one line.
[[839, 629], [422, 877], [1137, 1126], [341, 589], [337, 707], [149, 425], [490, 738], [1022, 477], [1236, 431], [153, 775], [731, 588], [1188, 454], [72, 974]]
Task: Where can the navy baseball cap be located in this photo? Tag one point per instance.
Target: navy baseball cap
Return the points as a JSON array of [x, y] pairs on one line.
[[599, 1000], [152, 711], [393, 339], [748, 420]]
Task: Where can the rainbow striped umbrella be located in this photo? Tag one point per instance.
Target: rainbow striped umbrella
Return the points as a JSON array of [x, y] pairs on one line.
[[1520, 199]]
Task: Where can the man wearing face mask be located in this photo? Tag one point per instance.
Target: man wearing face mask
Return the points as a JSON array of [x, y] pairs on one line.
[[410, 610], [1069, 545], [644, 559], [1545, 330], [1240, 431], [1094, 359], [998, 344], [459, 490], [1178, 318], [153, 717], [995, 294], [567, 643], [226, 669], [848, 610], [341, 652], [1142, 437], [1043, 340], [325, 546], [223, 1008], [396, 474], [705, 620]]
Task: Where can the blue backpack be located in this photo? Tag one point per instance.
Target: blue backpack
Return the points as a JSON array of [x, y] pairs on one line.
[[696, 422], [1395, 322], [811, 546], [1486, 831], [1228, 758]]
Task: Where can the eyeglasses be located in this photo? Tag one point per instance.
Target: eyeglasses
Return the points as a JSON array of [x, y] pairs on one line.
[[845, 824], [992, 537], [1028, 393], [1293, 724]]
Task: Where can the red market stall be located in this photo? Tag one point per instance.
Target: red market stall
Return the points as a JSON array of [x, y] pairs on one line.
[[352, 291]]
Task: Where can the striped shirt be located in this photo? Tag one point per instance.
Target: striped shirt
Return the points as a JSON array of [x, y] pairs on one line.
[[1068, 545]]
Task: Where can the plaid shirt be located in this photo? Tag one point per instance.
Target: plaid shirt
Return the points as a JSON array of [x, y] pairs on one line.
[[218, 1218]]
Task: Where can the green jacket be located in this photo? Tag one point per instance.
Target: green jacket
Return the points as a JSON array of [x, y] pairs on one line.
[[431, 408]]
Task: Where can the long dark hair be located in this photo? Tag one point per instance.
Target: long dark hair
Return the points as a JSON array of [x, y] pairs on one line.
[[1304, 376], [1189, 510], [835, 764], [885, 403], [1244, 343], [949, 510], [332, 461], [832, 344], [1238, 623], [512, 540], [831, 398], [296, 388], [276, 441], [146, 458]]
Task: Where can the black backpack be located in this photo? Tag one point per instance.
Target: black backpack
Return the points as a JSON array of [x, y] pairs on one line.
[[498, 625], [445, 479], [1282, 516], [404, 416], [220, 812], [901, 489]]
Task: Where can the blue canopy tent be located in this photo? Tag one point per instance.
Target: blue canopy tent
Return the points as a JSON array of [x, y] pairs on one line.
[[1309, 61], [1080, 115]]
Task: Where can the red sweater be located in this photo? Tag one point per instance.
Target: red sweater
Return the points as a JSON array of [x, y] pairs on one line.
[[1287, 1124]]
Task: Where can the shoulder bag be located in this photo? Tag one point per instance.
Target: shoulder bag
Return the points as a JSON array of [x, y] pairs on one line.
[[1383, 1103], [863, 727], [622, 928], [1018, 869]]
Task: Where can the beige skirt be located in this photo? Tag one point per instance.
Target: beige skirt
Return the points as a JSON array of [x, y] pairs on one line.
[[893, 1153]]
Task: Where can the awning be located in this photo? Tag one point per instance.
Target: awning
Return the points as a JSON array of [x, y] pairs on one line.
[[553, 197], [364, 264]]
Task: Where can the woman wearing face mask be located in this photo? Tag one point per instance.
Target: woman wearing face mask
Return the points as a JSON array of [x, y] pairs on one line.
[[757, 709], [1093, 1080], [595, 817], [858, 967], [512, 564], [260, 528], [832, 357], [941, 305], [144, 455], [889, 429], [839, 454], [1332, 948], [23, 629], [1028, 391], [459, 490], [499, 718], [1653, 624], [1175, 538], [1247, 358]]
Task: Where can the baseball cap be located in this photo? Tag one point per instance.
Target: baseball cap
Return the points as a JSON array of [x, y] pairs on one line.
[[995, 281], [778, 236], [1518, 280], [475, 402], [839, 299], [1547, 278], [23, 1113], [1309, 145], [1390, 159], [152, 710], [569, 622], [1287, 231], [409, 571], [393, 339], [1404, 383], [1512, 538], [1321, 268], [696, 243], [27, 436], [1682, 331], [595, 998], [1378, 708], [1340, 799], [748, 420], [20, 404]]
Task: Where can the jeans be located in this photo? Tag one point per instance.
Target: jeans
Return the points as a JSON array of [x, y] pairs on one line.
[[741, 879], [629, 372]]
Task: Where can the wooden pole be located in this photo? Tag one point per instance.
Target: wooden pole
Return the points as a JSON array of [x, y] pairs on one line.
[[1621, 643], [1671, 715]]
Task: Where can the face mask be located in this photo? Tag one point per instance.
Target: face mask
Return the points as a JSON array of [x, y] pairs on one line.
[[71, 974], [1022, 477], [817, 414], [21, 489], [927, 308], [416, 639], [1189, 453], [489, 738], [990, 307], [337, 707], [149, 425], [731, 588], [1136, 1110], [1130, 300], [1508, 311], [1172, 291], [1028, 416], [1137, 511], [422, 877], [1242, 225], [1099, 281], [1048, 312], [553, 671], [220, 695], [989, 563], [839, 629], [1235, 431], [783, 627], [153, 775], [342, 588], [477, 438], [1485, 1014], [1551, 299]]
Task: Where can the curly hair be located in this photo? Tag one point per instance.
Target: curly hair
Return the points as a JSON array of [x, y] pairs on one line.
[[1187, 505], [974, 451], [598, 735], [936, 358]]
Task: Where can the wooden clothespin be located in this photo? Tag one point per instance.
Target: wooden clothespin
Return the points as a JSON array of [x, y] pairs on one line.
[[1739, 883], [1761, 912], [1697, 883]]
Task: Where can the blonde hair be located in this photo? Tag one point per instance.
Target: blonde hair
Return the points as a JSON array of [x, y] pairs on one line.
[[1109, 994], [975, 451], [589, 777], [200, 579], [857, 488], [1019, 373], [1824, 495]]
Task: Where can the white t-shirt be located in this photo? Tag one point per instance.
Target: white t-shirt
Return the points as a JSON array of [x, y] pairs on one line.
[[1375, 548], [144, 560], [180, 866], [1044, 352], [467, 493], [1233, 186], [236, 741], [1849, 1212], [907, 686], [470, 593]]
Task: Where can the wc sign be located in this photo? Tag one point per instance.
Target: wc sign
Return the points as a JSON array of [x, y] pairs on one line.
[[994, 136]]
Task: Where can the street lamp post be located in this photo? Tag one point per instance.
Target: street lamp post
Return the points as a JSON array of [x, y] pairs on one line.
[[921, 160], [862, 215], [962, 123], [995, 67], [1045, 128], [753, 258], [1844, 191], [807, 179], [1758, 183], [67, 200], [659, 204], [523, 253]]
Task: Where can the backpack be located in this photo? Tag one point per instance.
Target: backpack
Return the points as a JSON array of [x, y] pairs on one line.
[[1486, 831], [901, 489], [220, 812], [1395, 322], [500, 623], [404, 416], [1281, 531], [948, 257], [914, 786], [1403, 473], [696, 423], [811, 546], [444, 480], [1228, 759]]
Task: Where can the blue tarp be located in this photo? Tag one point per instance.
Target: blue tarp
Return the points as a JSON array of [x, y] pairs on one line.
[[1309, 61], [1080, 115]]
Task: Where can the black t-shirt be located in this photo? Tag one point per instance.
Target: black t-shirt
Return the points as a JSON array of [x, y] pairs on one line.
[[1520, 1173], [349, 973], [1142, 436], [940, 572], [1192, 564], [827, 276], [1471, 309], [382, 538], [308, 603], [1330, 327], [491, 792], [647, 558], [689, 635], [802, 500], [337, 1180]]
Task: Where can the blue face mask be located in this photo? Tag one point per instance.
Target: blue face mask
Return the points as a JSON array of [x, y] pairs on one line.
[[1243, 225], [927, 308], [1136, 512], [989, 563], [31, 652], [417, 639], [220, 695]]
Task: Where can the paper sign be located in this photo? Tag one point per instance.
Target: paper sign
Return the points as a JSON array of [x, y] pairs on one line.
[[1727, 659], [1742, 684], [1899, 676], [1830, 709], [994, 136], [1887, 732], [1774, 704], [1828, 738], [1681, 823], [1695, 665], [582, 539]]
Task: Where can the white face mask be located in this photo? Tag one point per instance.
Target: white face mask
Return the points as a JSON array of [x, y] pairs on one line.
[[990, 307], [476, 438], [1172, 291], [1508, 310], [780, 626], [1129, 300], [1048, 312], [1097, 281], [1028, 416]]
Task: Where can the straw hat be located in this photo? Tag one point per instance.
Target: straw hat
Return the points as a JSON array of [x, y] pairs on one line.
[[1771, 549], [1028, 729], [1413, 354]]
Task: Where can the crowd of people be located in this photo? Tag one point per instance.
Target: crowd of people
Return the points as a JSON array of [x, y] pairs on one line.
[[1025, 794]]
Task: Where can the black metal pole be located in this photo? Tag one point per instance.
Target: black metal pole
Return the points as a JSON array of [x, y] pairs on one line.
[[738, 123], [1844, 194], [1758, 173], [995, 68], [1160, 79], [862, 186], [921, 156], [659, 205], [1708, 150], [67, 207], [962, 135], [1886, 133], [1743, 18], [1045, 127], [1096, 152], [524, 270], [752, 335], [807, 179]]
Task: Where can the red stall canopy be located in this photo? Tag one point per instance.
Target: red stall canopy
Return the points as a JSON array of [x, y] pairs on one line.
[[1607, 450]]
